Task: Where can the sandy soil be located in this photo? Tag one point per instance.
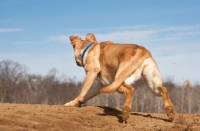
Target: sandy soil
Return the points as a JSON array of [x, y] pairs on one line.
[[24, 117]]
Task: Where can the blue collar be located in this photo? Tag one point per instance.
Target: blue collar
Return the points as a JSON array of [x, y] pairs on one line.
[[87, 47]]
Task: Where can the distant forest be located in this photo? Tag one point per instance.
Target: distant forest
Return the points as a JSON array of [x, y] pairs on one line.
[[18, 86]]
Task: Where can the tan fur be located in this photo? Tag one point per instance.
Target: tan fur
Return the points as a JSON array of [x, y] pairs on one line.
[[116, 66]]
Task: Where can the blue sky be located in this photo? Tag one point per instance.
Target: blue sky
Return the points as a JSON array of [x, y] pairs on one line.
[[36, 33]]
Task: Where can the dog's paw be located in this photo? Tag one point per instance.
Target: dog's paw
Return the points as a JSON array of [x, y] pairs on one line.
[[126, 111], [170, 112], [75, 103], [69, 104], [72, 103]]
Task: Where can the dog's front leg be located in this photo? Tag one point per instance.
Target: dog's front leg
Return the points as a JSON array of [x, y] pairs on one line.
[[90, 77]]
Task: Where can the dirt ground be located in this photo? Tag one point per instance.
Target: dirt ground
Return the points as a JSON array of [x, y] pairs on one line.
[[25, 117]]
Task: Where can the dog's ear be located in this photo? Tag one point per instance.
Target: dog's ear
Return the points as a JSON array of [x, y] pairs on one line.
[[73, 39], [90, 37]]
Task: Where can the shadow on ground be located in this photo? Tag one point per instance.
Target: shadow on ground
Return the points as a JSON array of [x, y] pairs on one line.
[[109, 111]]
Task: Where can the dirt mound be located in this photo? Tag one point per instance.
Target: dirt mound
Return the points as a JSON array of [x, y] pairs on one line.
[[24, 117]]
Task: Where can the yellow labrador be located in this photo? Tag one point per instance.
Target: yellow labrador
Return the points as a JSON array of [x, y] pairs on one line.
[[116, 67]]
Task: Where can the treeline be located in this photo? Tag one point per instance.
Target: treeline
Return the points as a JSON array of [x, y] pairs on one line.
[[18, 86]]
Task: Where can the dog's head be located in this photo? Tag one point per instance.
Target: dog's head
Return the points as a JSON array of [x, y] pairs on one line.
[[79, 45]]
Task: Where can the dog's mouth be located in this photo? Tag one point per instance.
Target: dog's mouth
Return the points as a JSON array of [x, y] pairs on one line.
[[78, 64]]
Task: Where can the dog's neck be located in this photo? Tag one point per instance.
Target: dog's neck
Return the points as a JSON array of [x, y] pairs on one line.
[[85, 50]]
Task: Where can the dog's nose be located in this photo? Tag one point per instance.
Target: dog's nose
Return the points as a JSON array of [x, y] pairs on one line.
[[77, 63]]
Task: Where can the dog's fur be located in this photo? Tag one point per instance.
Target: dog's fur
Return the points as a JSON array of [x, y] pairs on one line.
[[117, 66]]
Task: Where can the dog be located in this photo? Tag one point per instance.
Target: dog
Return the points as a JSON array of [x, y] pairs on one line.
[[116, 67]]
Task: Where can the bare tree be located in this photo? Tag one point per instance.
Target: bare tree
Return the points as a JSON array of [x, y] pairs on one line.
[[11, 73]]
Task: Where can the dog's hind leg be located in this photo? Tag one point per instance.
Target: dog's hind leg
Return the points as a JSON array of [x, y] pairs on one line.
[[169, 108], [128, 91], [153, 79]]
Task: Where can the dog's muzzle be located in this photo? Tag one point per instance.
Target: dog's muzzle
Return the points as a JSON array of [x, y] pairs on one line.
[[78, 64]]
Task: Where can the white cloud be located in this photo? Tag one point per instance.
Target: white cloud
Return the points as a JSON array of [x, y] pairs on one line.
[[188, 33], [61, 38], [150, 34], [138, 32], [181, 28], [113, 28], [29, 42], [3, 30], [118, 36], [126, 36]]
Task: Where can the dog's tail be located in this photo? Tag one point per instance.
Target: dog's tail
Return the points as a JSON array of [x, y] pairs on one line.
[[126, 70]]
